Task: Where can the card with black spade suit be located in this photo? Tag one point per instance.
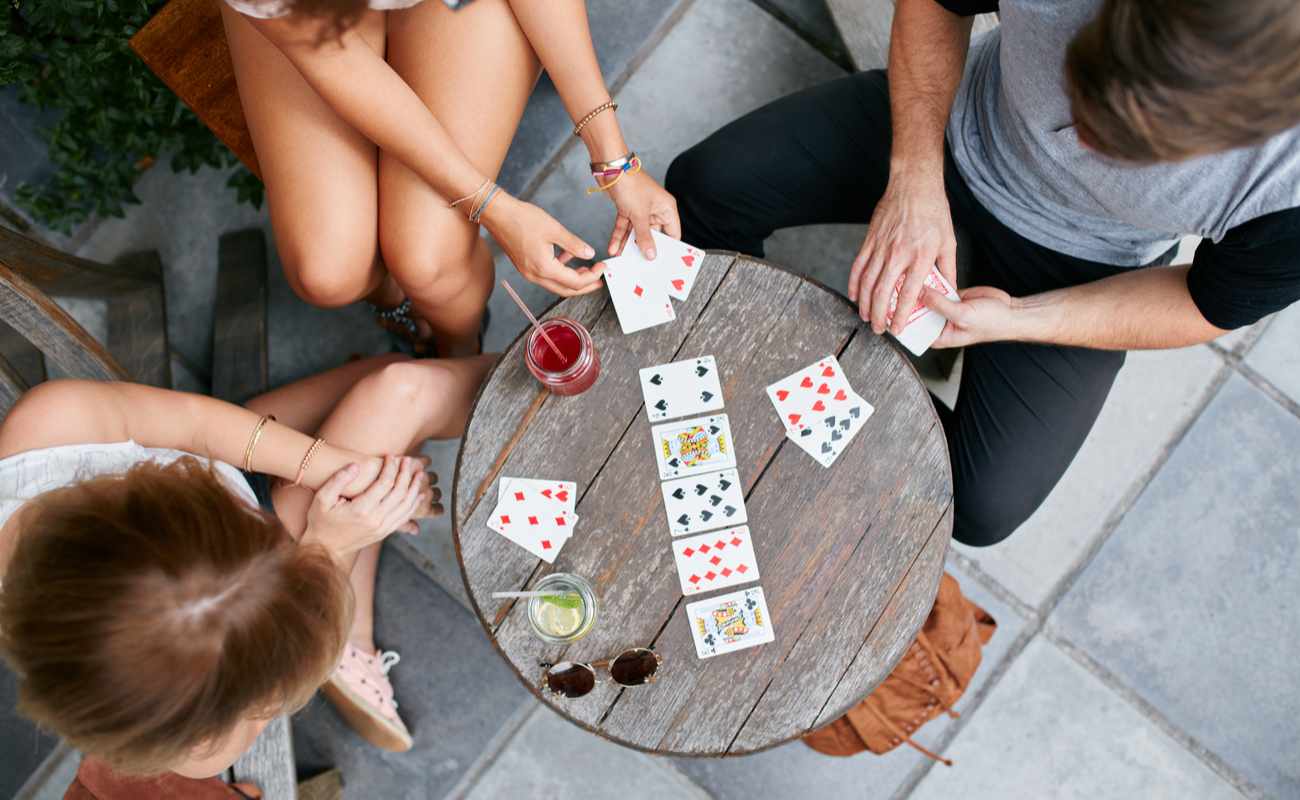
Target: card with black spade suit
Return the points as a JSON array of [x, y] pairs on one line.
[[693, 446], [704, 502], [681, 388]]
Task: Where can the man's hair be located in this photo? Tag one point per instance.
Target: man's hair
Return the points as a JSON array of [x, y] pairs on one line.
[[147, 614], [1165, 80]]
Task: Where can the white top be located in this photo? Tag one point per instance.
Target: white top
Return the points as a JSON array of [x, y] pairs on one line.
[[270, 9], [27, 475]]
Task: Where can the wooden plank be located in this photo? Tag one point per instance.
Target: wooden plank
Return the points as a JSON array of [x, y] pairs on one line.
[[566, 437], [240, 366], [12, 386], [57, 273], [53, 331], [22, 355], [889, 640], [269, 762], [137, 325], [185, 46]]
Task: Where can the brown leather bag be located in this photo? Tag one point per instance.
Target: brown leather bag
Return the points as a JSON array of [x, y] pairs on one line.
[[932, 675]]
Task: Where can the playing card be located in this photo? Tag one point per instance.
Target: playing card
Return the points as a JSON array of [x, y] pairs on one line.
[[829, 434], [715, 560], [802, 398], [729, 623], [639, 292], [542, 536], [923, 324], [693, 446], [547, 494], [701, 502], [681, 388], [677, 261]]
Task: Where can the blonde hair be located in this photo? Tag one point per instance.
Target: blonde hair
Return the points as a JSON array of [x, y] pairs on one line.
[[147, 614]]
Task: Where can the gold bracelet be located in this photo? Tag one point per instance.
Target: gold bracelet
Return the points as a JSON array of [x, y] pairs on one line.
[[252, 442], [608, 105], [306, 459], [455, 203]]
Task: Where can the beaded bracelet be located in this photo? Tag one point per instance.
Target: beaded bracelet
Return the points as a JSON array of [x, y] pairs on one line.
[[608, 105], [306, 459]]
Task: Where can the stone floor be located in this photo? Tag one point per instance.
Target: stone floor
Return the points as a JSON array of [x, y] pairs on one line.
[[1149, 625]]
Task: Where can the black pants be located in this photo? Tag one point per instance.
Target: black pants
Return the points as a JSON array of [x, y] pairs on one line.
[[822, 156]]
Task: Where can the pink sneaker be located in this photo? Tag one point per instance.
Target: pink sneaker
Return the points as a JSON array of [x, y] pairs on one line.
[[360, 690]]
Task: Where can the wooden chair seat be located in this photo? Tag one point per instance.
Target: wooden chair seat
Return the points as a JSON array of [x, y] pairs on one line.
[[185, 46]]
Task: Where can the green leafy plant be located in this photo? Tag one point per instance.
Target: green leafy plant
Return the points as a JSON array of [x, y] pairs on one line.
[[114, 117]]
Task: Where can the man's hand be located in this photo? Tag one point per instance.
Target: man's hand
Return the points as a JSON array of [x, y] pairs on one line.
[[910, 232], [984, 314]]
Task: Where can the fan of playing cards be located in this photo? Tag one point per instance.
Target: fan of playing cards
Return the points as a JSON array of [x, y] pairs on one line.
[[819, 409], [535, 514], [640, 288]]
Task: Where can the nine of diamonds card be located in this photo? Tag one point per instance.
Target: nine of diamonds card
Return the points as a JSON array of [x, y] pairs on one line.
[[693, 447], [715, 560]]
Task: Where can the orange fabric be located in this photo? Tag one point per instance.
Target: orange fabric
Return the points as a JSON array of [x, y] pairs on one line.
[[930, 678], [96, 781]]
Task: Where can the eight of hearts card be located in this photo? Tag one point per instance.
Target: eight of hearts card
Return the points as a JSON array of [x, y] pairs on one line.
[[537, 515], [730, 622], [923, 325], [819, 409], [715, 560], [693, 446], [703, 502], [681, 388]]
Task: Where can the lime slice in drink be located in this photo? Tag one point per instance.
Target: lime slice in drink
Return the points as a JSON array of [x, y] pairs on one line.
[[564, 600]]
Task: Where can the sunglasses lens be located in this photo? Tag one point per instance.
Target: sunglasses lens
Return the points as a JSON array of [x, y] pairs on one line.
[[569, 679], [634, 667]]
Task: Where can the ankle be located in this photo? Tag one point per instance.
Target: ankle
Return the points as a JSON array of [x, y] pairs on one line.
[[363, 641]]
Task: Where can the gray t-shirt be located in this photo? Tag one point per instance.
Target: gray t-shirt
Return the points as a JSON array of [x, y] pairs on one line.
[[1012, 136]]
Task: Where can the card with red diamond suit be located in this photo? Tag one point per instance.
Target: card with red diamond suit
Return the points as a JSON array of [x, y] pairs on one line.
[[535, 514], [679, 261], [639, 291], [730, 622], [715, 560]]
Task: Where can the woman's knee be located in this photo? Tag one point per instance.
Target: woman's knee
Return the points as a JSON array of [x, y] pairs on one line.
[[328, 273], [440, 263], [402, 383]]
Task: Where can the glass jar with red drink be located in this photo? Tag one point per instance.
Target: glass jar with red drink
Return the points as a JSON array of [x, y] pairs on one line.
[[574, 369]]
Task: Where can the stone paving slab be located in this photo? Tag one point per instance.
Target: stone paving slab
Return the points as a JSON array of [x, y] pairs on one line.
[[795, 770], [550, 757], [22, 745], [1276, 355], [454, 692], [1155, 396], [1052, 729], [1193, 601]]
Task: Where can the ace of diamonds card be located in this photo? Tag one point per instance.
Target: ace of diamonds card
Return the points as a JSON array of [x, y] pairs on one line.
[[729, 623]]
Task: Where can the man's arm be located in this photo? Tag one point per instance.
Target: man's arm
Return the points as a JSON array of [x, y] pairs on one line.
[[1145, 309], [911, 228]]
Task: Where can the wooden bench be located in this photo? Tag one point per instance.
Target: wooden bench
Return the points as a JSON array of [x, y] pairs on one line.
[[185, 46]]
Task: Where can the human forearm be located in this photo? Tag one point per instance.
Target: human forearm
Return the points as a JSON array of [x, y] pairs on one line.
[[559, 33], [926, 56], [1142, 309]]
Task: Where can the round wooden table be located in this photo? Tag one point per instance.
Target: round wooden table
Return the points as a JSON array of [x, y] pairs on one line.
[[850, 557]]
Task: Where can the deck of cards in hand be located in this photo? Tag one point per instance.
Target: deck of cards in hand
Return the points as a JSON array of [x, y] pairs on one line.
[[705, 503], [537, 515], [641, 288], [819, 409], [923, 325]]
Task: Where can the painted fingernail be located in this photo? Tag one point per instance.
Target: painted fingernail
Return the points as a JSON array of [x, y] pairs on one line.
[[650, 253]]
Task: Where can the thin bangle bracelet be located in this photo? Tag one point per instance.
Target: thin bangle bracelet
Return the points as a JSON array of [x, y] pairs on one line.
[[306, 459], [253, 440], [478, 213], [458, 201]]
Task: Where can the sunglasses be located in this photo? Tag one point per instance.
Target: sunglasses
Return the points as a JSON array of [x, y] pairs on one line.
[[635, 667]]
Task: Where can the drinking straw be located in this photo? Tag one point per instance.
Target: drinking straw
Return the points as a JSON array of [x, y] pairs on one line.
[[503, 595], [519, 302]]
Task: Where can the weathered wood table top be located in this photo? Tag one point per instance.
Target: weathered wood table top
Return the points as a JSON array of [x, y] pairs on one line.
[[850, 557]]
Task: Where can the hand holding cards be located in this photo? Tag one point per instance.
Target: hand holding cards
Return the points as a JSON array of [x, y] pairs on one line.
[[923, 324], [640, 288]]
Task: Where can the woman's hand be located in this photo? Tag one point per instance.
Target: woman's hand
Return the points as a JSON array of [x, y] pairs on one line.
[[529, 236], [642, 204], [393, 499]]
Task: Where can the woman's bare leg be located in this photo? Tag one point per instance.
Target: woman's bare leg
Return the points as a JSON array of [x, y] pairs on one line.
[[474, 69], [320, 173], [391, 410]]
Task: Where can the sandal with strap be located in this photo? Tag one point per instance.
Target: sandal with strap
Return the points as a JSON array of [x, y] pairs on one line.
[[359, 688], [401, 325]]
